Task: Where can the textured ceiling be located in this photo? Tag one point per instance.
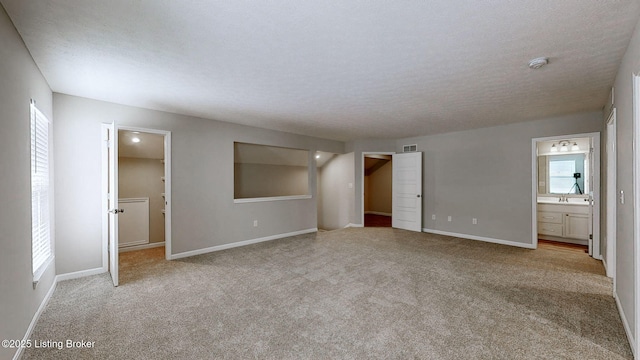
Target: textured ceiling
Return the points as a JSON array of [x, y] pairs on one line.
[[335, 69]]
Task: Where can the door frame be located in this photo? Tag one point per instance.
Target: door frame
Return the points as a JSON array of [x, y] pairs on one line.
[[635, 143], [167, 186], [595, 139], [364, 153], [611, 196]]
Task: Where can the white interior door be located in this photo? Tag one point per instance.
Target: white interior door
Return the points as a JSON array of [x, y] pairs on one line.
[[407, 191], [112, 208]]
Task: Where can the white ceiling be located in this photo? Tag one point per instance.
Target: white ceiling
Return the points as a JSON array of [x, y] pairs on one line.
[[339, 69]]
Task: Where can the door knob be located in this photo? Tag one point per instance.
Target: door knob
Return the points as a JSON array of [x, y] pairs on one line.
[[418, 195], [115, 211]]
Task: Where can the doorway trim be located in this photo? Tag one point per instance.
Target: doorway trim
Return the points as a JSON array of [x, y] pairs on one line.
[[635, 143], [167, 188], [364, 153], [595, 136], [611, 196]]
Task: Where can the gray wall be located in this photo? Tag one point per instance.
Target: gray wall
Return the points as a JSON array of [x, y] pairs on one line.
[[625, 250], [204, 214], [487, 174], [267, 180], [142, 178], [21, 81], [335, 198]]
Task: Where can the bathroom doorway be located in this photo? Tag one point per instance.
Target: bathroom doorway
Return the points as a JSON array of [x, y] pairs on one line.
[[566, 191]]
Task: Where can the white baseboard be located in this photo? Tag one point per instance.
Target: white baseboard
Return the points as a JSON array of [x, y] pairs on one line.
[[377, 213], [132, 243], [350, 225], [238, 244], [36, 317], [141, 247], [625, 323], [480, 238], [79, 274]]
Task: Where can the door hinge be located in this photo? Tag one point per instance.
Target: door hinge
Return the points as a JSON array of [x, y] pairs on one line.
[[590, 236]]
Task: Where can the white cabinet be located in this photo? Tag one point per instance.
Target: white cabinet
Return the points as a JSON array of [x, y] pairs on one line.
[[576, 226], [550, 229], [562, 222]]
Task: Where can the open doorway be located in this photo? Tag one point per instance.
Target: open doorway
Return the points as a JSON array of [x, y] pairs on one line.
[[141, 192], [566, 192], [377, 198], [137, 196]]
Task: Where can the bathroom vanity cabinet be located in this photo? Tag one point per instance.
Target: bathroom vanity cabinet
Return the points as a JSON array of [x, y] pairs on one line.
[[564, 222]]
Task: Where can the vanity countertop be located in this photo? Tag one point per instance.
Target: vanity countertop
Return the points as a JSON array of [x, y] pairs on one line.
[[571, 202]]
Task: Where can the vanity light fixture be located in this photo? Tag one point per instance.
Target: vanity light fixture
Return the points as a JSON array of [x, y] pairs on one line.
[[564, 147]]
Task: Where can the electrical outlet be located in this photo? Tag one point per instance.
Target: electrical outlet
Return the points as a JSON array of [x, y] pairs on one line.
[[255, 223], [449, 218], [474, 221], [433, 217]]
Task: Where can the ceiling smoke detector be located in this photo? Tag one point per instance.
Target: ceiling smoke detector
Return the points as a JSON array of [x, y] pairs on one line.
[[537, 63]]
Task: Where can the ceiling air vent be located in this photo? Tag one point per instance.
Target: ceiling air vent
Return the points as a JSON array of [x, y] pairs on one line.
[[410, 148]]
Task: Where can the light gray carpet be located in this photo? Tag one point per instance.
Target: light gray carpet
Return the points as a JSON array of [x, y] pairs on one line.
[[345, 294]]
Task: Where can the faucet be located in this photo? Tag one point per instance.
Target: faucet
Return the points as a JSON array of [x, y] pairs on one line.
[[563, 198]]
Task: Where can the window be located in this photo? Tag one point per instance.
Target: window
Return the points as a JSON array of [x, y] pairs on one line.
[[264, 172], [41, 249]]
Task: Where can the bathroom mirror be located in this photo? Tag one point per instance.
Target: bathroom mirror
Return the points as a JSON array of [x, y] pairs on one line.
[[563, 167]]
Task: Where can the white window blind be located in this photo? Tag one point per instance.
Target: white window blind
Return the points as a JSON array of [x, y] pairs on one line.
[[41, 249]]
